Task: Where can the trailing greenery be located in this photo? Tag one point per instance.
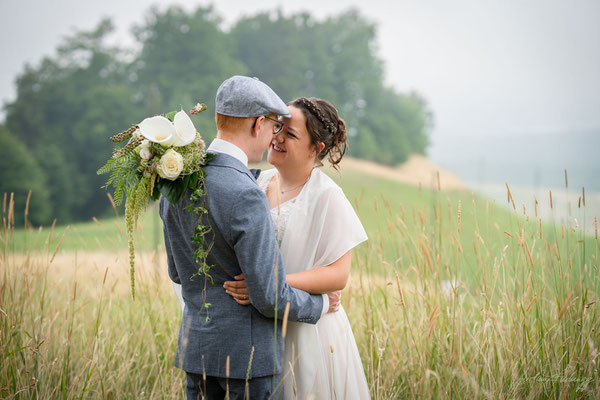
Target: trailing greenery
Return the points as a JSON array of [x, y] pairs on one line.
[[201, 231], [68, 103]]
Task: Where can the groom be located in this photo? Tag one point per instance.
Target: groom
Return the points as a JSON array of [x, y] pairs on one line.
[[218, 338]]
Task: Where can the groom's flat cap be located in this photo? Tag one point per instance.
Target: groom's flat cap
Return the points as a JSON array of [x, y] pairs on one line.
[[242, 96]]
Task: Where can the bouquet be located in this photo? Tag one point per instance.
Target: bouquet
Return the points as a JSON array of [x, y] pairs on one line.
[[162, 155]]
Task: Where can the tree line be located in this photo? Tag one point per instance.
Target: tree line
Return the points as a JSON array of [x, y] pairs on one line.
[[56, 131]]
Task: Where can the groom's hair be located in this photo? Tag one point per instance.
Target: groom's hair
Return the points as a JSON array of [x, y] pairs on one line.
[[231, 124]]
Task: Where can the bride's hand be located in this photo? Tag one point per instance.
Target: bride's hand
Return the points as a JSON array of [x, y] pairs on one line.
[[335, 300], [238, 290]]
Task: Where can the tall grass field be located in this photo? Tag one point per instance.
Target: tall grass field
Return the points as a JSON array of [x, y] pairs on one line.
[[453, 296]]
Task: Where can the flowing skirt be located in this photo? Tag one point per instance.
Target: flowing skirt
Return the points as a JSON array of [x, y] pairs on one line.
[[322, 361]]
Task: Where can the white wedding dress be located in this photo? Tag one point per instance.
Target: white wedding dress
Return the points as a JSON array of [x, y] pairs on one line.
[[315, 229]]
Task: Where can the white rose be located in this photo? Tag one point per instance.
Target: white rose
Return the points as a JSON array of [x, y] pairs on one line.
[[145, 153], [144, 150], [170, 165]]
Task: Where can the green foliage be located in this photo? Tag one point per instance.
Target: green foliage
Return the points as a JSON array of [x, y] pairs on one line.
[[64, 111], [124, 176], [184, 57], [70, 102], [172, 190], [20, 173]]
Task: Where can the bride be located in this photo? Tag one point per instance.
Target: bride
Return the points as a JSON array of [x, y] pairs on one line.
[[317, 229]]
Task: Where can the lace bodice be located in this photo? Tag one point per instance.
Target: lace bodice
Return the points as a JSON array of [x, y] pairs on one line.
[[280, 217]]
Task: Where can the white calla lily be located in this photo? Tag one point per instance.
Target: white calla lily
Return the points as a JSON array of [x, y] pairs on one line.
[[185, 132], [158, 129]]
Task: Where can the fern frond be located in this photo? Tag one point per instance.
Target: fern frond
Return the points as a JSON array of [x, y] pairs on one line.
[[109, 166], [124, 176]]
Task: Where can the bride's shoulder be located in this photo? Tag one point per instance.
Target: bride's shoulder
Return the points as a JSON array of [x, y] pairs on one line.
[[325, 184]]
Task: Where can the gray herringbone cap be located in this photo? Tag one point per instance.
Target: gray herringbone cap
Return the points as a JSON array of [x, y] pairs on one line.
[[242, 96]]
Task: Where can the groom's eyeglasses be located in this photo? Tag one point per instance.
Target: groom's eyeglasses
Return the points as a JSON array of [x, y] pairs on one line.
[[278, 125]]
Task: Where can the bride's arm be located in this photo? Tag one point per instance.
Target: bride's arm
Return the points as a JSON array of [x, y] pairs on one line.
[[324, 279]]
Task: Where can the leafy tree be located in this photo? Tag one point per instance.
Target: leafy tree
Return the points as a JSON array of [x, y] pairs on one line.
[[183, 60], [400, 124], [278, 50], [66, 109], [20, 173]]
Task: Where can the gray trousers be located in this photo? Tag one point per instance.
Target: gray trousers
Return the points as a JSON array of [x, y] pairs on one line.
[[216, 388]]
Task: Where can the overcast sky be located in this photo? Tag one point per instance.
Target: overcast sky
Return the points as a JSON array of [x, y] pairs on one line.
[[486, 67]]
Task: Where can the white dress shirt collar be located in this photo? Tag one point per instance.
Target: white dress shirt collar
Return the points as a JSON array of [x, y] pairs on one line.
[[225, 147]]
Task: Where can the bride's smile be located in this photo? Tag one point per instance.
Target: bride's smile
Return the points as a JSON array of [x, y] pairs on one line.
[[277, 148]]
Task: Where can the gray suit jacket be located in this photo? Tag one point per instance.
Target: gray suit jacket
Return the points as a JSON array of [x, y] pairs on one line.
[[243, 241]]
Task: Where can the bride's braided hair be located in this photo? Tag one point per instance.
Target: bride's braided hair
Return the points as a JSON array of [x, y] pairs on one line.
[[324, 126]]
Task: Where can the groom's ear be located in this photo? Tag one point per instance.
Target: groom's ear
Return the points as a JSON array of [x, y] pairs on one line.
[[255, 131]]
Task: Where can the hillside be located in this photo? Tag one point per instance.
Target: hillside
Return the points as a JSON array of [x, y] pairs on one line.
[[417, 170]]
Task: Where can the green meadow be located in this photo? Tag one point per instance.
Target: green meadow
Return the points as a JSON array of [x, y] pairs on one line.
[[453, 296]]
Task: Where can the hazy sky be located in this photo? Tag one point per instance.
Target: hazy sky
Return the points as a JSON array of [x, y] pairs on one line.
[[486, 67]]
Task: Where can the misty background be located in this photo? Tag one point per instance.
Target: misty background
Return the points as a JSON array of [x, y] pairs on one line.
[[513, 87]]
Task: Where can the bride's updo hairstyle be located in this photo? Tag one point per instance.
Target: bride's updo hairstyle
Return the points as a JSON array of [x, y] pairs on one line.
[[324, 126]]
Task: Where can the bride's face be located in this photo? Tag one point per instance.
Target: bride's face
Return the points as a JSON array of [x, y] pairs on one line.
[[291, 147]]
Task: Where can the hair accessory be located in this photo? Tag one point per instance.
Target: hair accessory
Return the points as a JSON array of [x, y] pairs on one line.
[[315, 110]]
